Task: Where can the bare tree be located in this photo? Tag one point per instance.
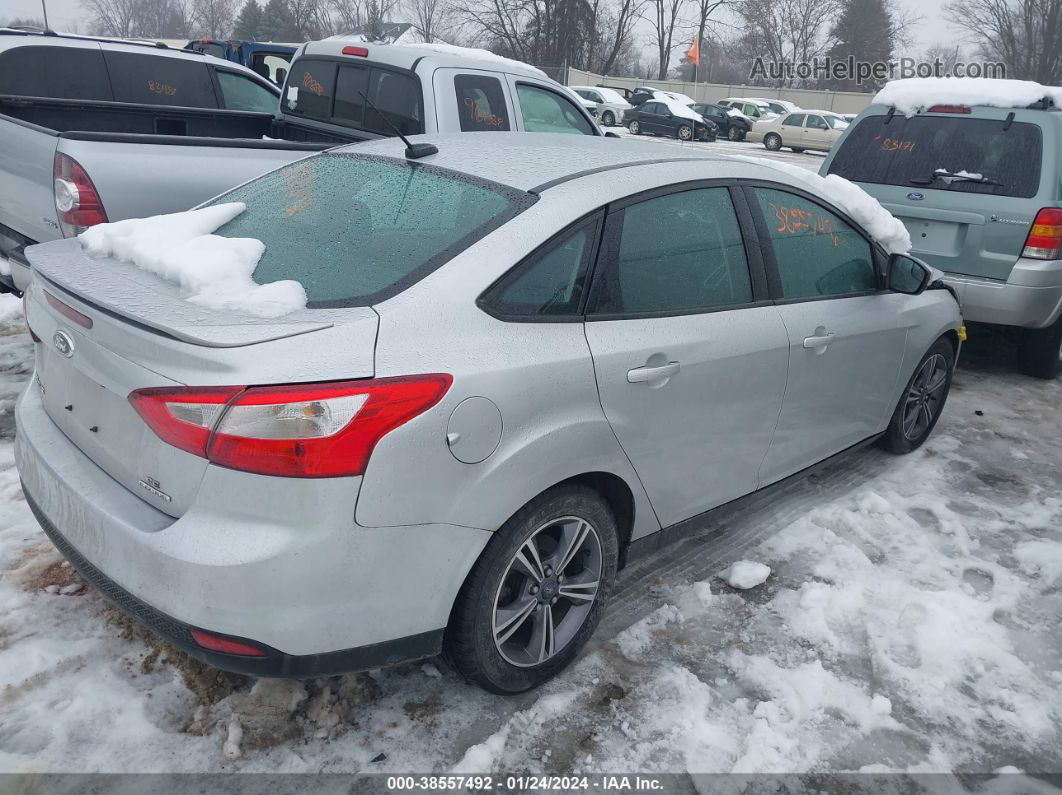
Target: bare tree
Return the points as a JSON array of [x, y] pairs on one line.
[[1026, 35], [948, 55], [429, 17], [615, 37], [785, 30], [213, 19], [112, 17], [705, 8], [664, 16]]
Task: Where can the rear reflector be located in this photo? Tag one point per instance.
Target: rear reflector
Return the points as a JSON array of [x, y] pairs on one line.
[[1045, 235], [362, 52], [297, 430], [77, 202], [225, 645], [949, 109], [25, 315], [68, 311]]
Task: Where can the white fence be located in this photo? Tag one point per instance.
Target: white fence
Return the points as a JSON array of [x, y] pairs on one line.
[[837, 101]]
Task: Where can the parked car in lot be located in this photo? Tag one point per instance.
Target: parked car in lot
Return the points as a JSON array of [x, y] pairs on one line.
[[96, 130], [978, 188], [731, 123], [271, 61], [779, 107], [495, 397], [817, 130], [666, 116], [755, 109], [610, 104]]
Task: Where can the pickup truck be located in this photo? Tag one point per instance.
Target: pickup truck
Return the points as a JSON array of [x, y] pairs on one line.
[[267, 58], [99, 130]]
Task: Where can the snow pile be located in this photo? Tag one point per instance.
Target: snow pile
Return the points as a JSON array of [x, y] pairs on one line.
[[678, 109], [612, 97], [211, 270], [478, 54], [746, 574], [863, 208], [912, 94]]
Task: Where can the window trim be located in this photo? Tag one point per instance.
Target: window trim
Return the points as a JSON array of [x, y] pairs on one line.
[[484, 299], [503, 85], [215, 73], [584, 113], [770, 260], [609, 251]]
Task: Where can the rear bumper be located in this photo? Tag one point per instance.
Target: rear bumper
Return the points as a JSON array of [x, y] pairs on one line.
[[1027, 299], [296, 577]]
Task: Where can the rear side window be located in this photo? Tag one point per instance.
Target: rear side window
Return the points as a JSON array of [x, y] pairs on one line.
[[547, 111], [55, 72], [243, 93], [794, 120], [309, 89], [160, 80], [911, 152], [396, 97], [677, 253], [357, 229], [552, 282], [481, 104], [818, 253]]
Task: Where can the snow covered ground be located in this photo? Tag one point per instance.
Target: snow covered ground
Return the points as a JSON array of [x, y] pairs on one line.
[[909, 622]]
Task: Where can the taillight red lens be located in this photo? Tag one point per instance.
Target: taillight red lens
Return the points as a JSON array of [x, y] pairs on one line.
[[1045, 236], [212, 642], [25, 315], [298, 430], [77, 202], [949, 109], [68, 311], [361, 52]]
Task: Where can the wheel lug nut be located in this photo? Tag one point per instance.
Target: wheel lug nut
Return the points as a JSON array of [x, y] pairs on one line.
[[534, 589], [549, 571], [560, 578], [553, 601]]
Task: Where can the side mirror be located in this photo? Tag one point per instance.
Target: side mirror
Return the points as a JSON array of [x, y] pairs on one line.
[[907, 275]]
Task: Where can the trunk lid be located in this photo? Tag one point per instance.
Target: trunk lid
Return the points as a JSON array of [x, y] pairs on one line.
[[143, 334]]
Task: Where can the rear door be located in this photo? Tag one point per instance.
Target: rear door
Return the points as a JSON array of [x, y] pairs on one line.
[[816, 132], [846, 340], [792, 129], [957, 225], [690, 357], [472, 100]]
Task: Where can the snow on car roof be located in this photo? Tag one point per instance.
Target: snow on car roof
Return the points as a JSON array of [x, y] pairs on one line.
[[408, 54], [677, 108], [913, 94]]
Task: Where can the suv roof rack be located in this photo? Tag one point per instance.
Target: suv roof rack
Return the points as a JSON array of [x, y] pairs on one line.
[[156, 45]]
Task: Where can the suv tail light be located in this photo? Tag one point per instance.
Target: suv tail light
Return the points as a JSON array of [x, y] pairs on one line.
[[949, 109], [76, 200], [1045, 235], [298, 430]]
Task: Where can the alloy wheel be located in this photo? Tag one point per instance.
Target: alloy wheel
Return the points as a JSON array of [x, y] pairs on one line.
[[547, 591], [734, 134], [925, 397], [685, 133], [608, 119], [634, 127]]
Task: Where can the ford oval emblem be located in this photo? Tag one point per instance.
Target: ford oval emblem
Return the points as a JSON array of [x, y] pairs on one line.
[[915, 196], [64, 343]]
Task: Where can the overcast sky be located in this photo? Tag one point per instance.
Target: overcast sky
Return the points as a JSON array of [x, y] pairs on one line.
[[64, 14]]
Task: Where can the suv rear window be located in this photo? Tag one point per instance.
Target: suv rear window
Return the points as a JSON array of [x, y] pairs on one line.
[[907, 152], [357, 229], [55, 72], [160, 80]]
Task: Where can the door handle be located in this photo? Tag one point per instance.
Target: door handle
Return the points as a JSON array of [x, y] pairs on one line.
[[642, 374], [819, 341]]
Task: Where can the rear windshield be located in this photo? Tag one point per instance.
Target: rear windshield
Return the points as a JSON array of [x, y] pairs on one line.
[[923, 150], [357, 229]]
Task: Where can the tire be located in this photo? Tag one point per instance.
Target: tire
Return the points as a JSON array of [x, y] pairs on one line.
[[684, 133], [772, 141], [608, 118], [733, 133], [1040, 351], [797, 149], [921, 398], [498, 589], [634, 128]]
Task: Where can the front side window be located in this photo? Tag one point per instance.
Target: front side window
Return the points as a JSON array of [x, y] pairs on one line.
[[552, 283], [158, 80], [816, 122], [918, 153], [242, 93], [481, 104], [676, 253], [547, 111], [818, 254], [356, 229], [794, 120], [55, 72], [309, 89]]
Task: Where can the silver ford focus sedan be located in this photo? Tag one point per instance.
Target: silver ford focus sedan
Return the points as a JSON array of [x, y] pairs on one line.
[[525, 360]]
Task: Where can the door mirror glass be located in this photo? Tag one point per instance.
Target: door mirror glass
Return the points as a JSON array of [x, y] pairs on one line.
[[907, 275]]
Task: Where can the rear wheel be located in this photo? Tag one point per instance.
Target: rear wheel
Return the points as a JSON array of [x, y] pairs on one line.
[[684, 132], [922, 401], [773, 141], [735, 133], [608, 118], [537, 592], [1040, 351], [634, 128]]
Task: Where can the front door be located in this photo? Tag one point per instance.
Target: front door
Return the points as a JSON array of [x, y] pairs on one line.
[[690, 358], [846, 340]]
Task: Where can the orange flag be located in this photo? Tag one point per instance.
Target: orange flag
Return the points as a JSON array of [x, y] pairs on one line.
[[694, 55]]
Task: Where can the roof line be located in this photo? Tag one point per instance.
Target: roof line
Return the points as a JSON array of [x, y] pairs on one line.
[[612, 167]]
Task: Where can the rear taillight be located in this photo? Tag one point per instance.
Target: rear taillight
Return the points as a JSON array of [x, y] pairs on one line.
[[949, 109], [25, 315], [76, 200], [1045, 235], [361, 52], [212, 642], [298, 430]]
